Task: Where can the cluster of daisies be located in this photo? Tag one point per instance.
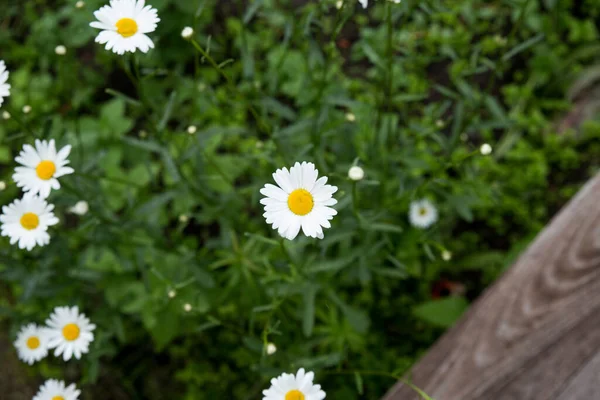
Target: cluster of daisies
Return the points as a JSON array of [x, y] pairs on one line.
[[302, 201], [69, 333], [26, 220]]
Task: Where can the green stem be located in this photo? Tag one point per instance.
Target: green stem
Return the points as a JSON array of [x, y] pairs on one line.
[[381, 373], [211, 61], [19, 121]]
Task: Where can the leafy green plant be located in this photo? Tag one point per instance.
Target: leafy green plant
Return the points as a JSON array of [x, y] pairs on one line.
[[174, 262]]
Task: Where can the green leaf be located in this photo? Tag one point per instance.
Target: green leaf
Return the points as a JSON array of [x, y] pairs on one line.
[[523, 46], [442, 312], [359, 383], [308, 316]]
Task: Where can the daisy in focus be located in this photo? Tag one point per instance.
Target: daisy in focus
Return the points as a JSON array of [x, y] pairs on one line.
[[54, 389], [69, 332], [422, 214], [299, 201], [26, 221], [4, 87], [41, 167], [31, 344], [124, 25], [290, 387]]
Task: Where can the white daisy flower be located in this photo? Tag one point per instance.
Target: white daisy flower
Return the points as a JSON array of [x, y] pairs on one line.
[[31, 344], [54, 389], [69, 332], [299, 201], [290, 387], [26, 221], [422, 214], [42, 166], [124, 25], [4, 87]]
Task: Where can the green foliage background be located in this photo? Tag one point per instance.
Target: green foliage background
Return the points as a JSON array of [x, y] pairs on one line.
[[428, 83]]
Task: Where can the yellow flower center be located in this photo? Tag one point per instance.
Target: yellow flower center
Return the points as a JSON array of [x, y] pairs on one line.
[[422, 211], [127, 27], [45, 170], [71, 332], [300, 202], [33, 342], [58, 398], [30, 221], [294, 395]]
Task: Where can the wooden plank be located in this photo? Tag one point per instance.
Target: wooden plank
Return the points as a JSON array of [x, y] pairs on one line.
[[584, 386], [535, 333]]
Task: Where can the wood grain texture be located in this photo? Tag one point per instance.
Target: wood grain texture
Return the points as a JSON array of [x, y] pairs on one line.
[[535, 334]]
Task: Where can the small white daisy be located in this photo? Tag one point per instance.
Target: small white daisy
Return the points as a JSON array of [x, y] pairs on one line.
[[42, 166], [69, 332], [299, 201], [31, 344], [26, 221], [290, 387], [422, 214], [54, 389], [124, 25], [4, 87]]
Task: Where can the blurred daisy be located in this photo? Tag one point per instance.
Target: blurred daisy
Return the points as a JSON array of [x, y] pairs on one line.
[[42, 166], [54, 389], [4, 87], [290, 387], [299, 201], [69, 332], [26, 221], [124, 25], [31, 344], [422, 214]]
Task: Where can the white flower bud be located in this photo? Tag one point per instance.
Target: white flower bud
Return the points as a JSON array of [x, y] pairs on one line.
[[187, 33], [446, 255], [60, 50], [485, 149], [80, 208], [356, 173]]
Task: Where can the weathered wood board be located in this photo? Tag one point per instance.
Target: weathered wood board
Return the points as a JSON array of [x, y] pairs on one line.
[[535, 334]]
